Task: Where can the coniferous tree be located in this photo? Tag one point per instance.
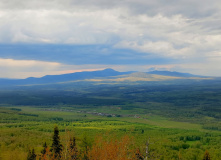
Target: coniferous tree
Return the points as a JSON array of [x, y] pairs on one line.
[[56, 147], [31, 155], [206, 156]]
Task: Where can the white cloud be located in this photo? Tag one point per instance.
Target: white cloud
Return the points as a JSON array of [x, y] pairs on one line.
[[27, 64], [184, 29], [166, 29], [11, 68]]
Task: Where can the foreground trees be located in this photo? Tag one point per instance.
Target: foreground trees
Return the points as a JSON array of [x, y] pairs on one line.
[[104, 148], [58, 151]]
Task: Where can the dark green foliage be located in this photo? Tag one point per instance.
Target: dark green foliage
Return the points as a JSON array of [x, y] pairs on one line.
[[56, 119], [190, 138], [56, 146], [25, 114], [185, 146], [212, 126], [31, 155], [15, 109]]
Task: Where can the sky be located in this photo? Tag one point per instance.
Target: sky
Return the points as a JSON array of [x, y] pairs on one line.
[[39, 37]]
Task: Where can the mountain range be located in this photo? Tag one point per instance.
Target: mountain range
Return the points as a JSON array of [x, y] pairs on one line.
[[102, 75]]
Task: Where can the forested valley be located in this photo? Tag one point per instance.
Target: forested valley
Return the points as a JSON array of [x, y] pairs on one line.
[[156, 120]]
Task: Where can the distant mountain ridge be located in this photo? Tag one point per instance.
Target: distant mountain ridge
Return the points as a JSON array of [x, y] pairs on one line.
[[106, 73], [76, 76], [174, 74], [62, 78]]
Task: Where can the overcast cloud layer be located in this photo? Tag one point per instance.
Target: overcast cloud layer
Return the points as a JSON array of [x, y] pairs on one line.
[[182, 35]]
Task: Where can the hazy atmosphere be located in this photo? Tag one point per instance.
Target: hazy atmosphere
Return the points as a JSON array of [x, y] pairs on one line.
[[38, 38]]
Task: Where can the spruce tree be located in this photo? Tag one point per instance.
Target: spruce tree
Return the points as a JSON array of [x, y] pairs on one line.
[[56, 147]]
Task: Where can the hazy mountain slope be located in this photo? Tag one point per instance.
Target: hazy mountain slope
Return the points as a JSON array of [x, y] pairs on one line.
[[174, 74], [62, 78], [106, 75]]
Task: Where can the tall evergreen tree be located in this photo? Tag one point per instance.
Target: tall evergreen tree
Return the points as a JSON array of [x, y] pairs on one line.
[[56, 146]]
